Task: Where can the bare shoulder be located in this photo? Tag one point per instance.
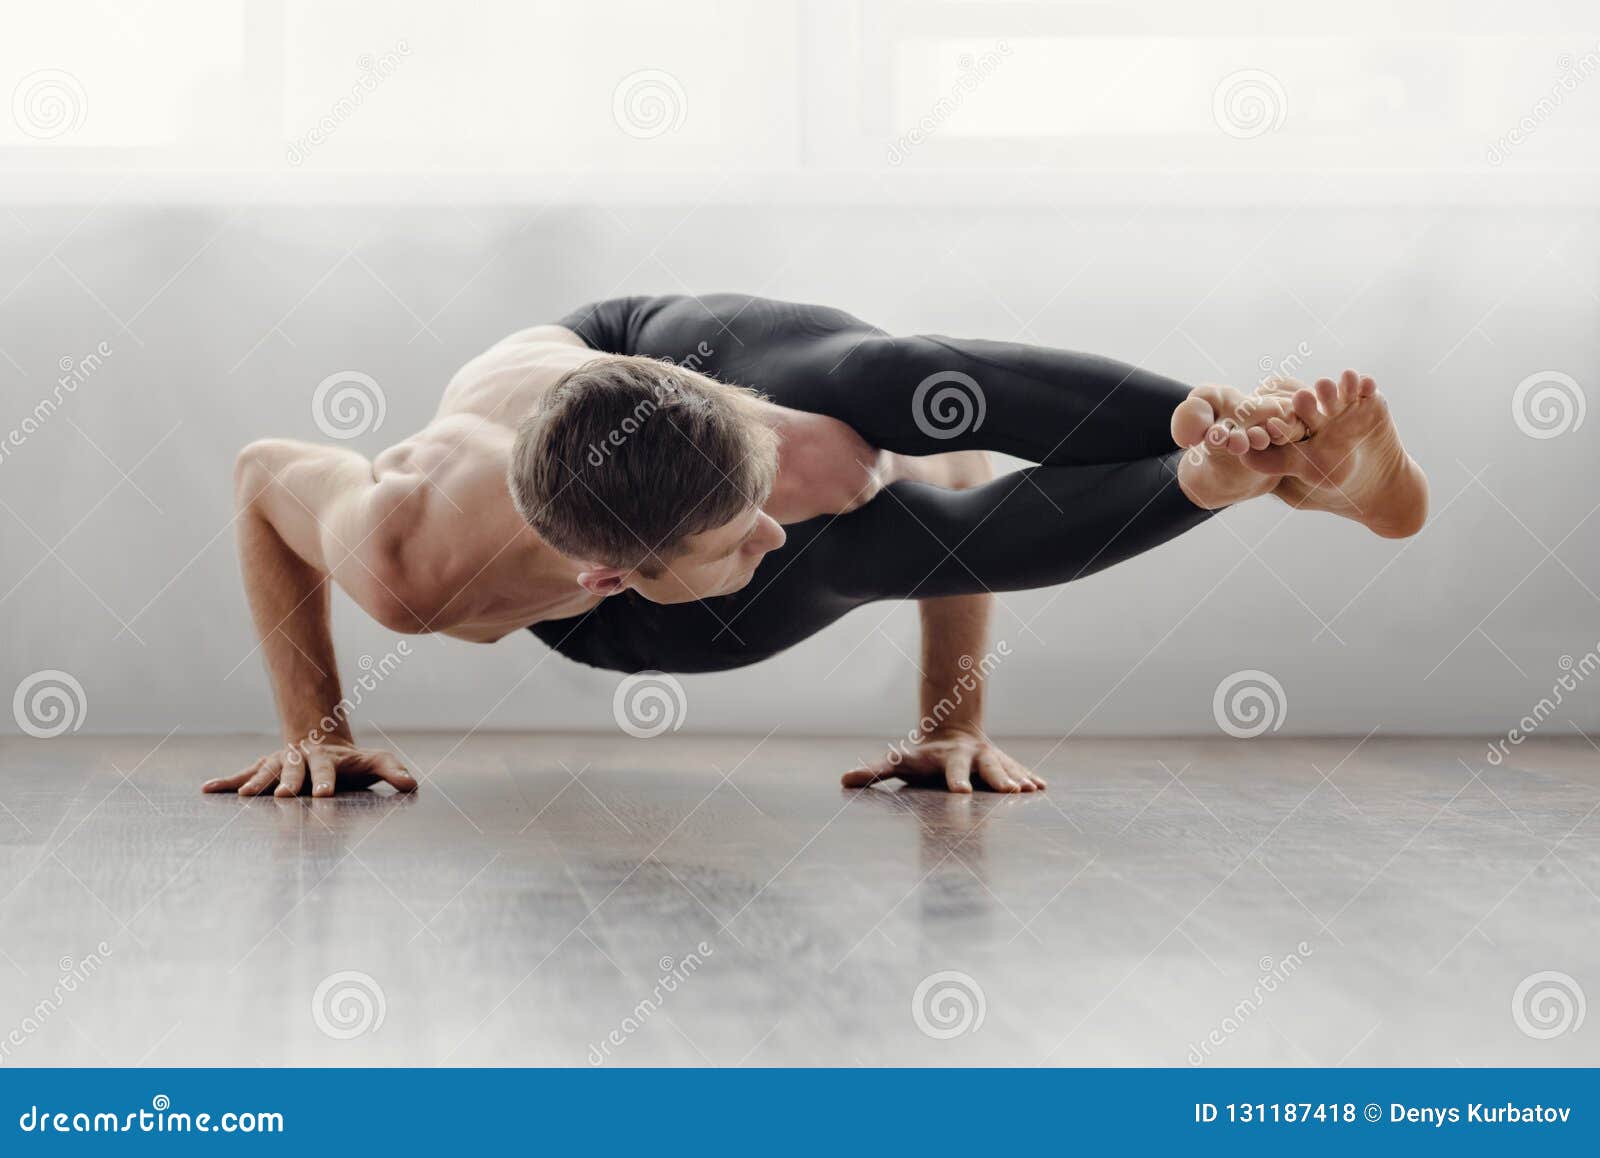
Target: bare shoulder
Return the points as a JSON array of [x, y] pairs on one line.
[[535, 335], [503, 383], [440, 512]]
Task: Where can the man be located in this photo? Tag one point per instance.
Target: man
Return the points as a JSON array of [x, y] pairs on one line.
[[697, 483]]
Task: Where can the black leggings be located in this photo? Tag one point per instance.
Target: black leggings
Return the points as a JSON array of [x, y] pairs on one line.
[[1105, 490]]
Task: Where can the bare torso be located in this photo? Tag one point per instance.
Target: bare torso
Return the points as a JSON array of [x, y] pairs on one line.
[[486, 573]]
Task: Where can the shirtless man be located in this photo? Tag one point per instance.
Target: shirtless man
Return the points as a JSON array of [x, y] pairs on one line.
[[614, 484]]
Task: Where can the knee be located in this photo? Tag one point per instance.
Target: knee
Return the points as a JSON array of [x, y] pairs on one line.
[[882, 358]]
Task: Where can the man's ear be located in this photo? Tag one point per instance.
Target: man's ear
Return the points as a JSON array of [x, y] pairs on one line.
[[602, 580]]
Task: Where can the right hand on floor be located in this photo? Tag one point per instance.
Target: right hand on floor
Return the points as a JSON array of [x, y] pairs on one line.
[[320, 768]]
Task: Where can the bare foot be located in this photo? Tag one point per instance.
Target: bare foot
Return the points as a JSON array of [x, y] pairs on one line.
[[1351, 463], [1218, 426]]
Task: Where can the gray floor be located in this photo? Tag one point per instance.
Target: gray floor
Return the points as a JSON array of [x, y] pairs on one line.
[[524, 907]]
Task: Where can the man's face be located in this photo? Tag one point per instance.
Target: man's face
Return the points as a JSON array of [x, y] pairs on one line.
[[714, 562]]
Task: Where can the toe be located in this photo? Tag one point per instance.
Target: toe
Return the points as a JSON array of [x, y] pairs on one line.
[[1260, 438], [1305, 408], [1328, 396], [1349, 385], [1367, 387], [1190, 421]]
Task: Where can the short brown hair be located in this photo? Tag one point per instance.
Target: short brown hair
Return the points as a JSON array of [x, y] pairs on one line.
[[627, 456]]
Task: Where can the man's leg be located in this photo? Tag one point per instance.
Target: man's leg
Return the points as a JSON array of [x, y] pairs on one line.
[[1103, 431]]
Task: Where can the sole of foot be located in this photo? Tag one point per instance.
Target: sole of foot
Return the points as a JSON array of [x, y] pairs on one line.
[[1351, 463]]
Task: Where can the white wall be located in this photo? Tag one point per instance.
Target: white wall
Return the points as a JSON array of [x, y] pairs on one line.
[[227, 283]]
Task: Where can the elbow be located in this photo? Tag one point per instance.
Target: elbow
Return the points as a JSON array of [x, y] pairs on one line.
[[252, 471]]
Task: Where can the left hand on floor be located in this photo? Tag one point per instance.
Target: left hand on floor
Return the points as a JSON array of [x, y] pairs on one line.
[[953, 759]]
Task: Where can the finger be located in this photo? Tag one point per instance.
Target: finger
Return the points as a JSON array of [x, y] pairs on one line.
[[293, 774], [1260, 439], [263, 778], [1012, 772], [1022, 772], [231, 783], [994, 774], [388, 766], [321, 765], [864, 778], [958, 771], [868, 774]]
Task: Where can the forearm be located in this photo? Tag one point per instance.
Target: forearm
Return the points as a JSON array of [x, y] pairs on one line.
[[955, 639], [289, 604], [955, 628]]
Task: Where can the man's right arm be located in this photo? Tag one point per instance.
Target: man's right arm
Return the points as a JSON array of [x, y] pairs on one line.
[[308, 514]]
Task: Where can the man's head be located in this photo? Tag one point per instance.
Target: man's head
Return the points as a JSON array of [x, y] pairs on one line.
[[651, 476]]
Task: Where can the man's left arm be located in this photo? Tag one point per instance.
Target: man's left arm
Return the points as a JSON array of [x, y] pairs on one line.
[[948, 747]]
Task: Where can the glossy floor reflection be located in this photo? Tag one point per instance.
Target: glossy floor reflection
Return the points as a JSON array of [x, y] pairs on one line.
[[573, 899]]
